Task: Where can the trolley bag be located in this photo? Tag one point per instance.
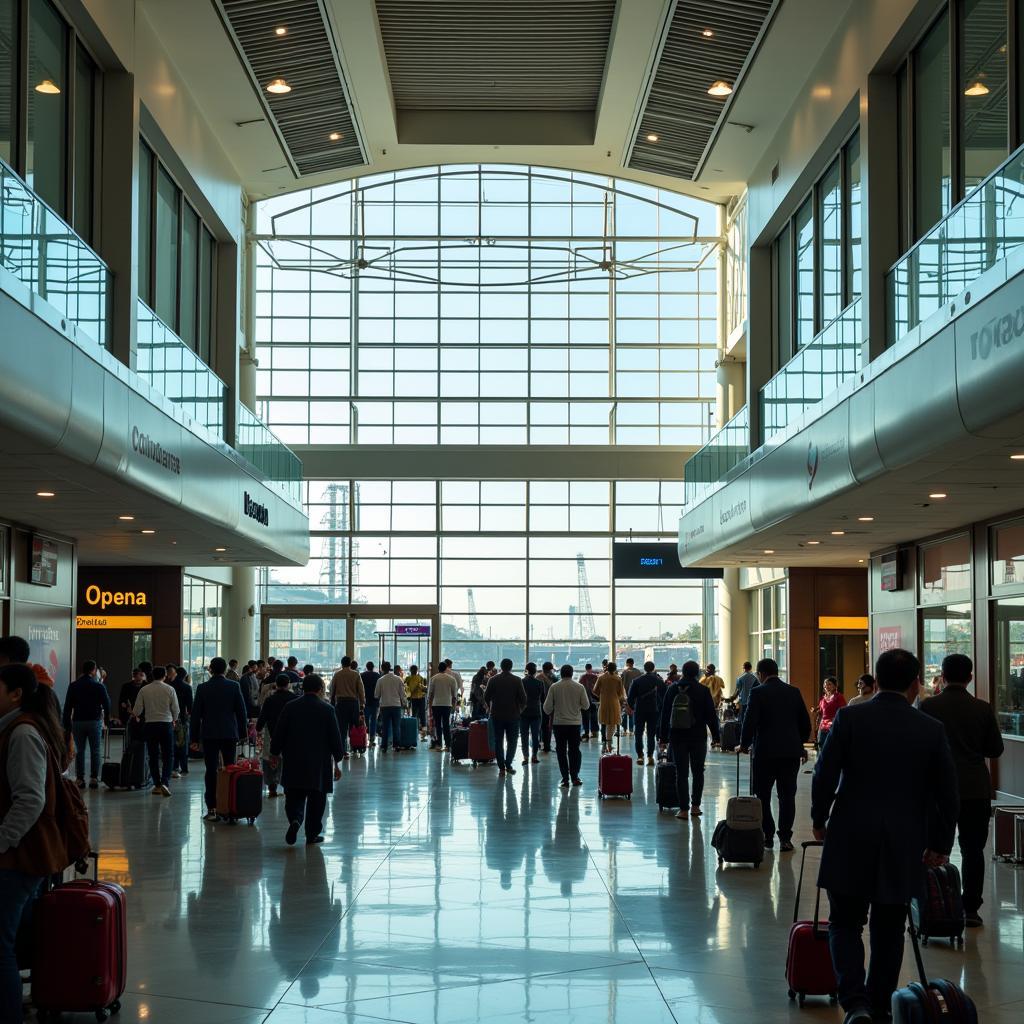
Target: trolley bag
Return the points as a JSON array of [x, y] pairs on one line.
[[1004, 832], [90, 915], [110, 771], [927, 1002], [460, 743], [240, 791], [665, 788], [134, 762], [730, 736], [809, 970], [480, 748], [408, 733], [939, 912], [615, 774], [739, 836], [357, 736]]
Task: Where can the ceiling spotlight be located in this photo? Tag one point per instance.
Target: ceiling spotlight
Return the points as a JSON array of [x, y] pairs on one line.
[[707, 33], [335, 136], [937, 495], [812, 542], [45, 494], [126, 519], [280, 31], [860, 560], [1017, 458], [149, 531], [865, 519], [977, 88], [50, 88], [220, 549], [653, 137], [769, 551], [720, 88], [838, 533], [278, 87]]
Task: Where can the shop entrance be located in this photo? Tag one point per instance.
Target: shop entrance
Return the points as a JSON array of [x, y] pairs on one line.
[[321, 634], [843, 654]]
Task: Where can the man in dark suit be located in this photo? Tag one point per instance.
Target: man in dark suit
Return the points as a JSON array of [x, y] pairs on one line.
[[219, 720], [308, 739], [973, 734], [884, 800], [775, 728]]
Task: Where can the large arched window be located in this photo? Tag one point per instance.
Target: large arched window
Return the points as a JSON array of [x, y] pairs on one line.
[[493, 305]]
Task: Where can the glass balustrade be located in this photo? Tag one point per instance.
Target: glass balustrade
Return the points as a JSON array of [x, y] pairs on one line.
[[279, 465], [709, 466], [42, 252], [166, 362], [815, 371], [985, 227]]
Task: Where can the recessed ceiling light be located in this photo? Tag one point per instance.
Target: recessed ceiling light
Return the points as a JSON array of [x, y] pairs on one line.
[[976, 88], [769, 551], [280, 31], [126, 519], [707, 33], [220, 549], [860, 559], [719, 88], [814, 542], [865, 519], [838, 533], [45, 494], [653, 137], [278, 87], [335, 136], [50, 88], [1017, 458], [149, 531], [937, 494]]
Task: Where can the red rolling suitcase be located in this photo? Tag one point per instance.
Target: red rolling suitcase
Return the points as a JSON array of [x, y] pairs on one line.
[[809, 969], [240, 791], [357, 737], [480, 749], [615, 774], [89, 915]]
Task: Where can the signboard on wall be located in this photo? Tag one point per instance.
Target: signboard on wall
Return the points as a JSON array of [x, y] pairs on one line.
[[411, 629], [888, 638], [890, 574], [43, 562], [654, 562], [47, 628]]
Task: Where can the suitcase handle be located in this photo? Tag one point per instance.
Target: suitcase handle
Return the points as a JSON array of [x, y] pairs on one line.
[[917, 949], [800, 884]]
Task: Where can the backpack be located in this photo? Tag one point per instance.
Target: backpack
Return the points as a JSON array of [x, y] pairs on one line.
[[71, 816], [682, 713]]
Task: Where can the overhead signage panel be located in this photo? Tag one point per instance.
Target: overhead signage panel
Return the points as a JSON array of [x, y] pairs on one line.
[[114, 622]]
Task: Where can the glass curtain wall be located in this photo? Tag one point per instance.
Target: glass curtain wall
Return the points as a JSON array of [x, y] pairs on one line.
[[517, 568], [768, 622], [201, 604], [479, 304]]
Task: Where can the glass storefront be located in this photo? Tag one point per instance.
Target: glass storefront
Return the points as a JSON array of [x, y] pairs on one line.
[[768, 623], [201, 604]]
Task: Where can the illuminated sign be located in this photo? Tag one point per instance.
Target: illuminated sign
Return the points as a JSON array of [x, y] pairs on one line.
[[44, 562], [411, 629], [113, 598], [654, 562], [843, 622], [114, 622]]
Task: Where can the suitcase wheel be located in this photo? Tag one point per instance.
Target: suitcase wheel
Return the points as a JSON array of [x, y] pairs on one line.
[[801, 999], [924, 940], [252, 821], [833, 998], [720, 862], [791, 994]]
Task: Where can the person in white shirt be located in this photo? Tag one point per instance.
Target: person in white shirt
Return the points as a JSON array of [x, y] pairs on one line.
[[391, 694], [442, 696], [457, 676], [565, 703], [866, 689], [157, 704]]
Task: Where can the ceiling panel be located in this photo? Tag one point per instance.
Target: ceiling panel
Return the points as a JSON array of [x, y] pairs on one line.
[[545, 55], [314, 121], [678, 109]]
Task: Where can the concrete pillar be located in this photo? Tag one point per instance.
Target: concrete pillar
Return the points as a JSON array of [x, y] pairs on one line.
[[240, 614], [733, 625]]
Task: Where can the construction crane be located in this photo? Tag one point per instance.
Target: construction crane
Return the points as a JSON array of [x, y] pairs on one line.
[[584, 613], [334, 571], [473, 626]]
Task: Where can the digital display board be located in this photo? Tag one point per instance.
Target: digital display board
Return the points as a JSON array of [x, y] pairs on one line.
[[411, 629], [44, 562], [654, 562]]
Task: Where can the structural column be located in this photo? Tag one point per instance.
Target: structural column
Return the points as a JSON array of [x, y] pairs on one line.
[[733, 625], [240, 614]]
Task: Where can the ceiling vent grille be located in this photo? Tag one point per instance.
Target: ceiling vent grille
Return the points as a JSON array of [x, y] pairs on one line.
[[314, 120], [543, 55], [706, 41]]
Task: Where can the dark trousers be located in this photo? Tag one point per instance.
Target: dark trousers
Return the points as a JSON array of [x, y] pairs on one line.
[[545, 728], [181, 751], [567, 746], [347, 710], [782, 773], [213, 751], [529, 734], [418, 707], [18, 892], [847, 918], [160, 744], [371, 721], [646, 721], [443, 724], [688, 754], [972, 836], [91, 733], [390, 719], [590, 720], [505, 736], [306, 805]]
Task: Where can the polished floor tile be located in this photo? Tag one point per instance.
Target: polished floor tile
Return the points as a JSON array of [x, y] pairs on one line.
[[443, 894]]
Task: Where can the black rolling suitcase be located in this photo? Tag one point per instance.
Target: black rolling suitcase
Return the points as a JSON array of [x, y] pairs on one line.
[[926, 1002], [730, 736], [132, 772], [460, 743], [939, 912], [739, 837], [665, 788]]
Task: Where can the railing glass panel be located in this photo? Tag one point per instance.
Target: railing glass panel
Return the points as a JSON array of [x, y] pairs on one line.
[[39, 249], [708, 467], [279, 465], [814, 372], [166, 362], [985, 227]]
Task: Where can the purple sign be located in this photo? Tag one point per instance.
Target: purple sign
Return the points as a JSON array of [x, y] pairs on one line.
[[411, 629]]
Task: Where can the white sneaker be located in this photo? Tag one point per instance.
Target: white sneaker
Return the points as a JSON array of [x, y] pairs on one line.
[[175, 775]]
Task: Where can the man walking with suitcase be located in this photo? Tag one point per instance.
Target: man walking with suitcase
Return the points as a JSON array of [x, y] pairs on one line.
[[506, 697], [349, 698], [219, 720], [307, 737], [775, 729], [973, 734], [884, 800], [687, 713], [644, 704]]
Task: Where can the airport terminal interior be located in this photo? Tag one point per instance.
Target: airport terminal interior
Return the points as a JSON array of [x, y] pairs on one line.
[[538, 331]]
